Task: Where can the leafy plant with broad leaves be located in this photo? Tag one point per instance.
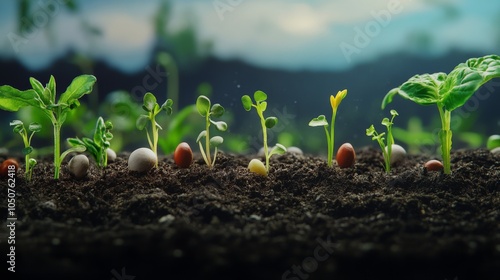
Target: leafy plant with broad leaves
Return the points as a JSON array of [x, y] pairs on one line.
[[207, 111], [386, 147], [321, 121], [99, 144], [153, 108], [448, 92], [260, 106], [28, 149], [12, 99]]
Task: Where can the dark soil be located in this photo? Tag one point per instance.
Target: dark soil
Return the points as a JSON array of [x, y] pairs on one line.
[[304, 221]]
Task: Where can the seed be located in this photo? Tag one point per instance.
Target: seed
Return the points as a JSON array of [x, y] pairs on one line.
[[398, 153], [346, 156], [141, 160], [111, 155], [78, 166], [256, 166], [433, 165], [183, 155], [4, 167]]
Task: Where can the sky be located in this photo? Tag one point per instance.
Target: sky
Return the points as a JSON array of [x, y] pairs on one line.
[[282, 34]]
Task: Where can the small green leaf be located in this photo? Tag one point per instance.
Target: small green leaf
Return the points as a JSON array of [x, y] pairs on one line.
[[217, 110], [35, 127], [278, 149], [167, 106], [149, 102], [203, 105], [109, 125], [51, 86], [216, 141], [319, 121], [262, 106], [370, 131], [16, 123], [394, 113], [37, 86], [271, 122], [12, 99], [386, 122], [80, 86], [141, 122], [201, 135], [259, 96], [27, 150], [31, 163], [493, 142], [221, 126], [247, 102], [75, 142]]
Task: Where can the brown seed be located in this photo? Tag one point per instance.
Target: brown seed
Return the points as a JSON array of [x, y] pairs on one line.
[[346, 156], [183, 155], [433, 165], [4, 168]]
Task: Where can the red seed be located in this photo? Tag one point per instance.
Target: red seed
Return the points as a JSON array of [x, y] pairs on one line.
[[346, 156], [4, 168], [433, 165], [183, 155]]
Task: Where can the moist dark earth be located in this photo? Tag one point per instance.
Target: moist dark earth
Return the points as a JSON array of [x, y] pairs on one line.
[[304, 221]]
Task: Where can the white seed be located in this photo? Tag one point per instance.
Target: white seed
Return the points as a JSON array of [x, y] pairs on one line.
[[294, 150], [141, 160], [78, 166], [256, 166], [111, 155], [398, 153], [496, 151]]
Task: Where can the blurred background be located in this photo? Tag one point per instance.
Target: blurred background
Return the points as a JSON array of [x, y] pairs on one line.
[[298, 52]]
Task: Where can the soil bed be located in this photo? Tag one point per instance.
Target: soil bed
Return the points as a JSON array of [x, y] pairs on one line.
[[305, 221]]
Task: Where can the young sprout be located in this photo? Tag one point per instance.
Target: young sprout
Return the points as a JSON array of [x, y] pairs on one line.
[[321, 121], [448, 92], [97, 147], [153, 108], [207, 111], [12, 99], [260, 106], [386, 147], [28, 149]]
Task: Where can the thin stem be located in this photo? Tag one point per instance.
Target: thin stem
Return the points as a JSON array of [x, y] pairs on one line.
[[203, 153], [332, 135], [57, 149], [207, 140], [445, 137], [264, 135], [330, 150], [155, 139]]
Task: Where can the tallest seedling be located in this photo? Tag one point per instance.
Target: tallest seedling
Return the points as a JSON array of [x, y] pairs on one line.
[[448, 92], [12, 99]]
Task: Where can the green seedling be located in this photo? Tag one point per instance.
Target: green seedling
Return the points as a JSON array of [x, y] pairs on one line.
[[260, 106], [386, 147], [99, 144], [12, 99], [28, 149], [493, 142], [321, 121], [207, 111], [153, 108], [448, 92]]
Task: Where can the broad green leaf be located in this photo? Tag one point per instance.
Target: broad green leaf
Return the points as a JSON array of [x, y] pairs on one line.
[[141, 122], [35, 127], [421, 89], [27, 150], [221, 126], [149, 102], [467, 78], [493, 142], [75, 142], [201, 135], [259, 96], [217, 110], [216, 141], [203, 105], [271, 122], [262, 106], [319, 121], [12, 99], [278, 149], [247, 102], [80, 86]]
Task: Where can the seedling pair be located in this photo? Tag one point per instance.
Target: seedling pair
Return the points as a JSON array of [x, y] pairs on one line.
[[448, 92], [12, 99], [260, 106], [379, 137]]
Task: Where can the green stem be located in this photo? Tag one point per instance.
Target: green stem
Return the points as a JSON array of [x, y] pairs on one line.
[[330, 149], [207, 140], [332, 137], [57, 149], [445, 135], [264, 135]]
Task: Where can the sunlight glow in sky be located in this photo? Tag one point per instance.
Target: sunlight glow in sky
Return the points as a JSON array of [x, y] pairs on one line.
[[286, 34]]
